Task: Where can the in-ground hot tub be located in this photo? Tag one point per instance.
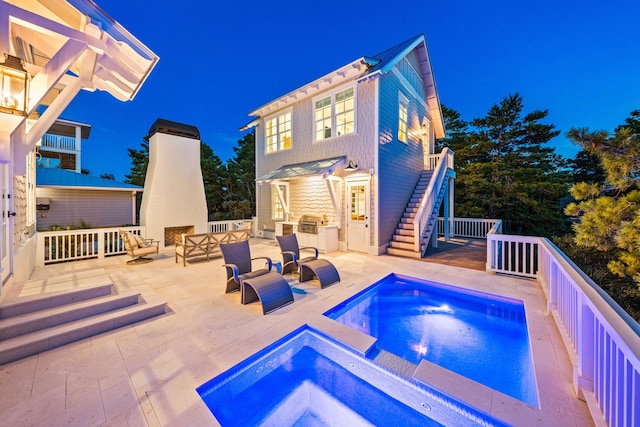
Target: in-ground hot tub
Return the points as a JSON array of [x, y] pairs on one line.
[[309, 378]]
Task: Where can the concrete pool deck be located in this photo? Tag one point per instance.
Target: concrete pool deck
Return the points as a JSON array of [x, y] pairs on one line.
[[146, 374]]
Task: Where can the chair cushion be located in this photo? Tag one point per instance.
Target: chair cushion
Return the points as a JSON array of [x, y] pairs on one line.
[[140, 241]]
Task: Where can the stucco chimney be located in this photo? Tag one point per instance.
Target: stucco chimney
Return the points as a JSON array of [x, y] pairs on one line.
[[173, 194]]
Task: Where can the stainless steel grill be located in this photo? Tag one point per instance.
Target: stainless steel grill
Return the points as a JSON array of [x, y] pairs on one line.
[[309, 224]]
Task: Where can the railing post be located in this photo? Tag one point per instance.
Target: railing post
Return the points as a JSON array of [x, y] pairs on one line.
[[39, 250], [101, 243]]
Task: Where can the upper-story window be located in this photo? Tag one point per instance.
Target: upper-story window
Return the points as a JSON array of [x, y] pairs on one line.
[[403, 118], [335, 114], [278, 132]]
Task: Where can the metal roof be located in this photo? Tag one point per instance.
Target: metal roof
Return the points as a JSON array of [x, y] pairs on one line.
[[299, 170], [174, 128], [62, 178]]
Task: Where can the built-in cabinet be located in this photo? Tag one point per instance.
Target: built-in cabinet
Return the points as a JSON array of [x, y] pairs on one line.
[[326, 240]]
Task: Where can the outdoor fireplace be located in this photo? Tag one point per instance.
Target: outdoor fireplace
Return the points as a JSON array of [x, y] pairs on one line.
[[173, 234], [173, 201]]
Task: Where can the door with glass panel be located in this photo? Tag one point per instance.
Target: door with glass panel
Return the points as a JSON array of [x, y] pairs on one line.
[[358, 216]]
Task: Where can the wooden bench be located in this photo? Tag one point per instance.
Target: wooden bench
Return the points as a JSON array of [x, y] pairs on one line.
[[206, 244]]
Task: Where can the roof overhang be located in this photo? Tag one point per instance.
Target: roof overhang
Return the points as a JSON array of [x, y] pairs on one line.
[[79, 187], [345, 73], [321, 167]]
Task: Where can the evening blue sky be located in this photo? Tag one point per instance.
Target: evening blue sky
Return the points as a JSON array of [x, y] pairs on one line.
[[219, 60]]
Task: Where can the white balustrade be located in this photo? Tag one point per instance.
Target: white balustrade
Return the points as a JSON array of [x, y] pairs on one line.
[[601, 338], [474, 228], [73, 245], [59, 142]]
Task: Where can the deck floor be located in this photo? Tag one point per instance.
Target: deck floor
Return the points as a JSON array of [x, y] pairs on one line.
[[146, 374]]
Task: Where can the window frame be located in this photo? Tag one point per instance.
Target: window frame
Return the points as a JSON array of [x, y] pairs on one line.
[[275, 200], [280, 144], [403, 101], [333, 116]]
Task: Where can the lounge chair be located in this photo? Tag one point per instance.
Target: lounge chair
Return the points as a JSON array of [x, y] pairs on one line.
[[291, 253], [264, 285], [137, 247], [309, 267]]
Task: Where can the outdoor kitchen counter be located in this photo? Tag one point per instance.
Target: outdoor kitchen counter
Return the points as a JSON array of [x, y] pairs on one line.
[[326, 240]]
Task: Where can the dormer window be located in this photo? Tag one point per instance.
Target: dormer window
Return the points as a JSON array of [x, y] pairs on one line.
[[278, 132], [335, 114]]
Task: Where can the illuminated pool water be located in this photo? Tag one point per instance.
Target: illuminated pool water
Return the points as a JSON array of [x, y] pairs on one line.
[[481, 336], [309, 379]]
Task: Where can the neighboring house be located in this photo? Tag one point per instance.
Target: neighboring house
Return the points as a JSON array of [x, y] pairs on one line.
[[70, 199], [49, 52], [67, 198], [61, 146], [351, 147]]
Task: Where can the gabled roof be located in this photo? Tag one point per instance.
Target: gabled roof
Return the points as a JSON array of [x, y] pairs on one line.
[[62, 178], [366, 67]]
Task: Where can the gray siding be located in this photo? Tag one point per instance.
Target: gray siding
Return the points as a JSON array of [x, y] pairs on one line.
[[70, 208], [400, 164], [312, 197]]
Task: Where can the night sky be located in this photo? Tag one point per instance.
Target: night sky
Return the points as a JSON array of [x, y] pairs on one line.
[[221, 59]]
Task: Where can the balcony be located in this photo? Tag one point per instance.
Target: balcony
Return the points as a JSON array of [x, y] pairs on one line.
[[58, 142]]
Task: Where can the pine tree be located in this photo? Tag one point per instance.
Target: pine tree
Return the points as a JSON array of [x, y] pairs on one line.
[[609, 211], [505, 170]]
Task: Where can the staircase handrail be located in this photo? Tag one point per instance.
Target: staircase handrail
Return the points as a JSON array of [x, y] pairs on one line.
[[429, 198]]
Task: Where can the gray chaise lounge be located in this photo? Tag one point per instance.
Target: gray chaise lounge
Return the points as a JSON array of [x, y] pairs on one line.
[[309, 267], [263, 284]]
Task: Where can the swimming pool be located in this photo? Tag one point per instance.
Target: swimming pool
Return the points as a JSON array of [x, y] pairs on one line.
[[481, 336], [308, 378]]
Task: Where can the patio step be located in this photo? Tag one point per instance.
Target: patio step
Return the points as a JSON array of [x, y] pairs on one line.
[[403, 252], [58, 318]]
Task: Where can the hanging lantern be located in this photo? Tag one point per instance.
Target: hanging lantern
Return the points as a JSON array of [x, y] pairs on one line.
[[14, 86]]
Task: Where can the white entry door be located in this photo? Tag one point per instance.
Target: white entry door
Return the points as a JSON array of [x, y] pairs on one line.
[[358, 232], [4, 237]]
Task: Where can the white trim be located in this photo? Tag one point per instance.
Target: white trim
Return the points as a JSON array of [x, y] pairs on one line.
[[277, 115], [283, 198], [403, 100], [332, 94], [405, 84], [347, 72], [376, 162]]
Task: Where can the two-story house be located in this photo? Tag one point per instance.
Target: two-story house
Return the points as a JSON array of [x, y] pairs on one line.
[[65, 197], [351, 148]]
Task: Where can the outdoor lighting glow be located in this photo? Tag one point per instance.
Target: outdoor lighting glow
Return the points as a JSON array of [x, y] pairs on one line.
[[14, 81]]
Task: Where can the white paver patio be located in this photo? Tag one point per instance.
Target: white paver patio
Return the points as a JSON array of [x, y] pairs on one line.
[[146, 374]]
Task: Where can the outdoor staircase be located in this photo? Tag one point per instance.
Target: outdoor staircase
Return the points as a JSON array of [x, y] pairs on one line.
[[402, 243], [86, 304]]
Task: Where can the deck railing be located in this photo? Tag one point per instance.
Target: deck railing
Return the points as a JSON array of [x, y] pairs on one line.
[[428, 203], [602, 340], [74, 245], [58, 142], [474, 228]]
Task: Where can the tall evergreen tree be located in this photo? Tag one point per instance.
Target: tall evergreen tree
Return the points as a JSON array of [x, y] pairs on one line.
[[241, 183], [213, 175], [609, 212], [504, 170], [139, 163]]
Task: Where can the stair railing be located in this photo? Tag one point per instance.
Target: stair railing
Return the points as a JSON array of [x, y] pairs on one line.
[[428, 201]]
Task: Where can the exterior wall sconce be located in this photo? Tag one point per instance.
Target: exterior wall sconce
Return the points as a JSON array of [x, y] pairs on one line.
[[14, 86], [351, 167]]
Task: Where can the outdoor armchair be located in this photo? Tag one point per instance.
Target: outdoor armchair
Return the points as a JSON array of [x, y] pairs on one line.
[[291, 253], [137, 247]]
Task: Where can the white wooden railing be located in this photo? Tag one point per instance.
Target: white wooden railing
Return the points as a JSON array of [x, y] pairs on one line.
[[74, 245], [236, 224], [440, 174], [474, 228], [432, 161], [59, 142], [603, 341]]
